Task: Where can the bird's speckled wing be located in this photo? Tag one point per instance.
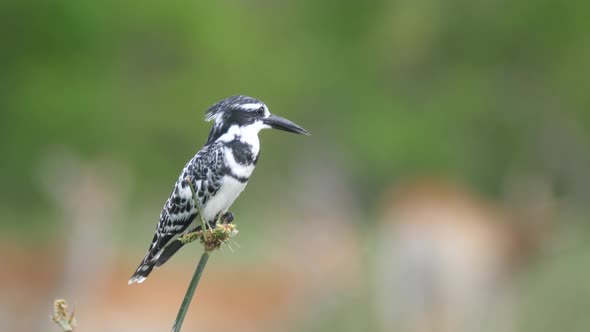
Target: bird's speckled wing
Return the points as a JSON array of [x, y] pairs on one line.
[[205, 171]]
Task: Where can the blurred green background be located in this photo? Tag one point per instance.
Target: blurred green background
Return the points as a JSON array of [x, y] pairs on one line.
[[102, 103]]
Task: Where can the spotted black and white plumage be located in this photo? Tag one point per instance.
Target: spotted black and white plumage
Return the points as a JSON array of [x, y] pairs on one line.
[[219, 172]]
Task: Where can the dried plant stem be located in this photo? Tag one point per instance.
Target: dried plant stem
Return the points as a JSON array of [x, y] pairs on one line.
[[190, 292]]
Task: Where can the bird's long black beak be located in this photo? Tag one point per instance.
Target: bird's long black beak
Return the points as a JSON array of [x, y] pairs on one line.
[[280, 123]]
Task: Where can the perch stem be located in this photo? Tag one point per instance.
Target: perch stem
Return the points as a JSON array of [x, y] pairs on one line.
[[196, 200], [190, 292]]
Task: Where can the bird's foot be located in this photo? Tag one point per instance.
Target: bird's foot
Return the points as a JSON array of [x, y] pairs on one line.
[[227, 218]]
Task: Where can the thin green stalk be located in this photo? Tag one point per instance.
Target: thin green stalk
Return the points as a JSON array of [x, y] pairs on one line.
[[218, 236], [197, 205], [190, 292], [188, 297]]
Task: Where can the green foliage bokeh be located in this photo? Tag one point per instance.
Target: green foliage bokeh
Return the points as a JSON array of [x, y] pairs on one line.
[[466, 89]]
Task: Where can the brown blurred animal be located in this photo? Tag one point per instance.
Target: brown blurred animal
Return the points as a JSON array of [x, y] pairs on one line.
[[446, 257]]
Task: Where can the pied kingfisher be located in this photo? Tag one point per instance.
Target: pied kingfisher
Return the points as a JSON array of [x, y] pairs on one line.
[[218, 172]]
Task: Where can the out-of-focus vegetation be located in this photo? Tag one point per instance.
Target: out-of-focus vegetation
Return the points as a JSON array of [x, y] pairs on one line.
[[398, 87], [479, 92]]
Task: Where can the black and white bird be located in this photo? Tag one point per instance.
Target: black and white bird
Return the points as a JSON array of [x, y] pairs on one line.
[[219, 173]]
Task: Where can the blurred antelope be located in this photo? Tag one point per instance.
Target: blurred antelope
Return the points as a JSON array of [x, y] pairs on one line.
[[445, 258]]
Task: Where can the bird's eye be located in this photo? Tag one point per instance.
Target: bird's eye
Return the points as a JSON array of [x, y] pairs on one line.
[[260, 111]]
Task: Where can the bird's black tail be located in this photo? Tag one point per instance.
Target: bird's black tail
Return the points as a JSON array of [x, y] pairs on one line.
[[142, 272], [168, 251], [173, 247], [150, 259]]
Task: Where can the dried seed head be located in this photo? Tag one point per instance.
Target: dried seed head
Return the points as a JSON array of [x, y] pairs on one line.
[[62, 317], [212, 238]]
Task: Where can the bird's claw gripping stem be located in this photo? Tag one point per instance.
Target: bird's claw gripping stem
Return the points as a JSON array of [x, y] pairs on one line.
[[226, 217]]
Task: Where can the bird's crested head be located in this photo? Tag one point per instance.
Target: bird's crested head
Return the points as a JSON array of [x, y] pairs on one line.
[[245, 114], [237, 110]]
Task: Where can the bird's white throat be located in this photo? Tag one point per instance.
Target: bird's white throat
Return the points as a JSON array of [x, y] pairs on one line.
[[247, 134]]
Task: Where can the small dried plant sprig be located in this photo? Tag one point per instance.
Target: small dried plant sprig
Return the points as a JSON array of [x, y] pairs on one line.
[[212, 238], [62, 317]]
